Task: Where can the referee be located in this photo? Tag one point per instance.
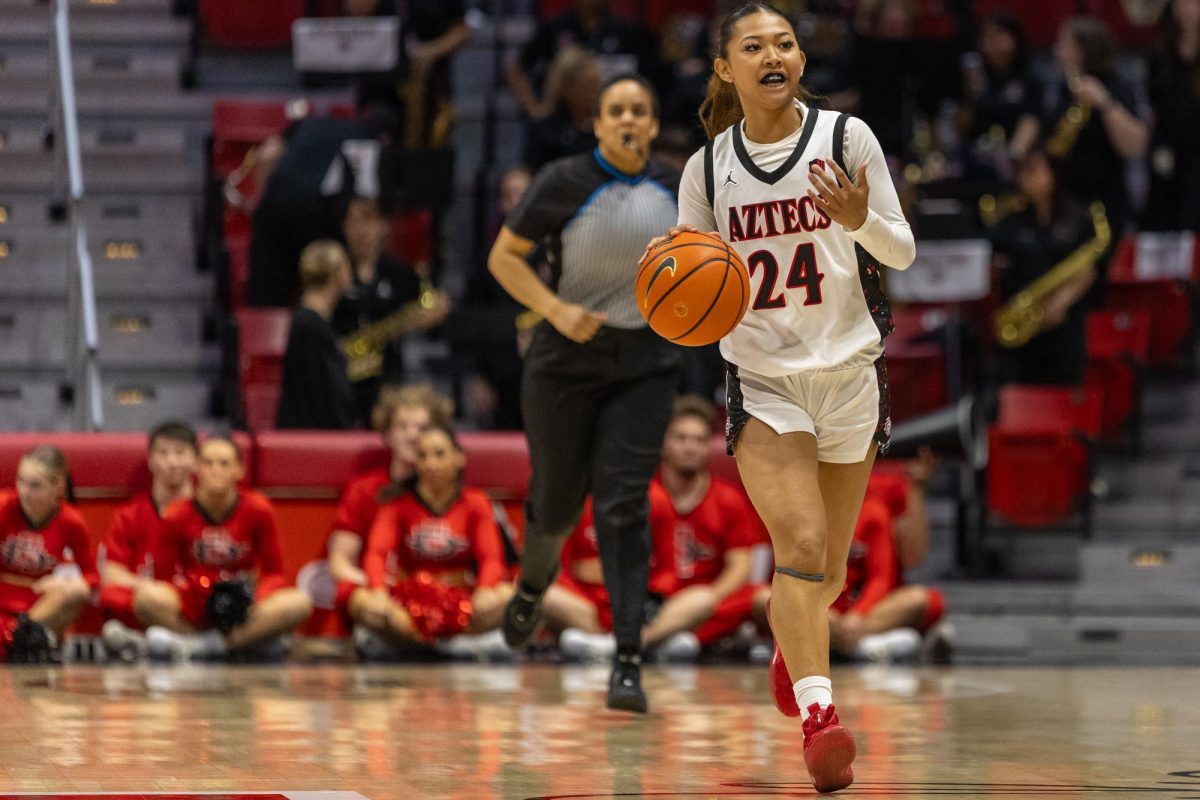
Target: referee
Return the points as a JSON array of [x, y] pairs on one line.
[[598, 384]]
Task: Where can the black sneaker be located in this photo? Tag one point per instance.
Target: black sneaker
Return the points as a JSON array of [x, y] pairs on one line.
[[522, 616], [625, 686]]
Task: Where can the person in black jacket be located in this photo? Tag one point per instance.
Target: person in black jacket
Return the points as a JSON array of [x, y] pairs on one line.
[[316, 392]]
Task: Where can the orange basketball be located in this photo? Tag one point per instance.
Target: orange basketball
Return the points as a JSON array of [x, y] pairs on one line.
[[693, 289]]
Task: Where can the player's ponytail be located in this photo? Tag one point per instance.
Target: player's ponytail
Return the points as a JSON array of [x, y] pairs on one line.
[[722, 107]]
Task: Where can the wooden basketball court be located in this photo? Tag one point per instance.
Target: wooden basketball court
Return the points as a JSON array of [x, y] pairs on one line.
[[539, 731]]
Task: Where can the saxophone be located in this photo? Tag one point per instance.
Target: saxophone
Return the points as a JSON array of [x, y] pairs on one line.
[[1069, 126], [364, 348], [1018, 320]]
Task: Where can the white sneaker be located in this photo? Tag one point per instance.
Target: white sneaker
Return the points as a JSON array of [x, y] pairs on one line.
[[901, 644], [679, 648], [122, 642], [488, 646], [577, 645], [167, 645]]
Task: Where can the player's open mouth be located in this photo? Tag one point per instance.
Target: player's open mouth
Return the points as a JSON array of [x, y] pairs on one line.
[[628, 141], [773, 79]]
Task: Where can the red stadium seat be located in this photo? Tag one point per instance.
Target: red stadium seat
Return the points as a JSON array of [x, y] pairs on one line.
[[260, 403], [262, 341], [236, 23], [1118, 346], [916, 367], [1166, 304], [1039, 470]]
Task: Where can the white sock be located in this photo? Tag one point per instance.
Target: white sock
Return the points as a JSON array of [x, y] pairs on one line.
[[813, 689]]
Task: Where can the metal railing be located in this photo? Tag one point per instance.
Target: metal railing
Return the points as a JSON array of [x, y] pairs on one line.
[[83, 367]]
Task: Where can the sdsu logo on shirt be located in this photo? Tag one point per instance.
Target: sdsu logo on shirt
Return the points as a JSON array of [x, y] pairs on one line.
[[26, 552], [436, 541], [689, 551], [216, 548]]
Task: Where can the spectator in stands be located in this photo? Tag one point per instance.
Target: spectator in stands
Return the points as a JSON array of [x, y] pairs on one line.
[[1089, 119], [1003, 96], [448, 557], [491, 327], [1031, 242], [400, 416], [325, 161], [621, 47], [40, 534], [127, 566], [876, 617], [381, 288], [1174, 199], [566, 128], [419, 88], [219, 567], [315, 392], [713, 528]]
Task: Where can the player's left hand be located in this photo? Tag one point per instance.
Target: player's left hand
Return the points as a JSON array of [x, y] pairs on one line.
[[844, 201]]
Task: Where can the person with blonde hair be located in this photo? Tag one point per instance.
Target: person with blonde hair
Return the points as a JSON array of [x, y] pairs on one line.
[[316, 392], [39, 535], [566, 129], [400, 415]]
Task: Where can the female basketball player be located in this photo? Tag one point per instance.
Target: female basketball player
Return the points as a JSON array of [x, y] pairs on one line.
[[807, 390], [598, 384], [39, 533], [434, 558]]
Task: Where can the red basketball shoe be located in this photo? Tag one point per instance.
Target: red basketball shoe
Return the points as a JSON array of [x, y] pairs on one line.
[[828, 749], [781, 685], [781, 681]]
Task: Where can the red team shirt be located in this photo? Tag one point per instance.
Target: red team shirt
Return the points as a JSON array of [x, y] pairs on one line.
[[699, 539], [28, 553], [247, 541], [361, 501], [132, 532], [582, 544], [408, 537]]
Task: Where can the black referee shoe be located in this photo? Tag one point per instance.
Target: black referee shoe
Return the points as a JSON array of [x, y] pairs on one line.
[[625, 686], [522, 616]]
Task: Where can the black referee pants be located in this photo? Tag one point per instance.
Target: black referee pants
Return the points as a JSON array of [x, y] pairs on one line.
[[595, 415]]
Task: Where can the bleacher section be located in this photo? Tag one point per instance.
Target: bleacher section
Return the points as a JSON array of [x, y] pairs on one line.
[[143, 174]]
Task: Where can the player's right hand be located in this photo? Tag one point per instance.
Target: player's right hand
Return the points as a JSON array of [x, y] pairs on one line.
[[669, 235], [575, 322]]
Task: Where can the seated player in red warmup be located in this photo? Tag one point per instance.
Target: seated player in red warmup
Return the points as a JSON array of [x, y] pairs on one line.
[[577, 603], [877, 617], [434, 561], [399, 416], [127, 567], [39, 533], [711, 534], [219, 566]]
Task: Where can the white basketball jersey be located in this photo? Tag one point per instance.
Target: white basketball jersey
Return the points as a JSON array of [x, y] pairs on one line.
[[812, 305]]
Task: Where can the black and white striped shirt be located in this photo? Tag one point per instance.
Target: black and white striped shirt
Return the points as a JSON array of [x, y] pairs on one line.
[[596, 221]]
